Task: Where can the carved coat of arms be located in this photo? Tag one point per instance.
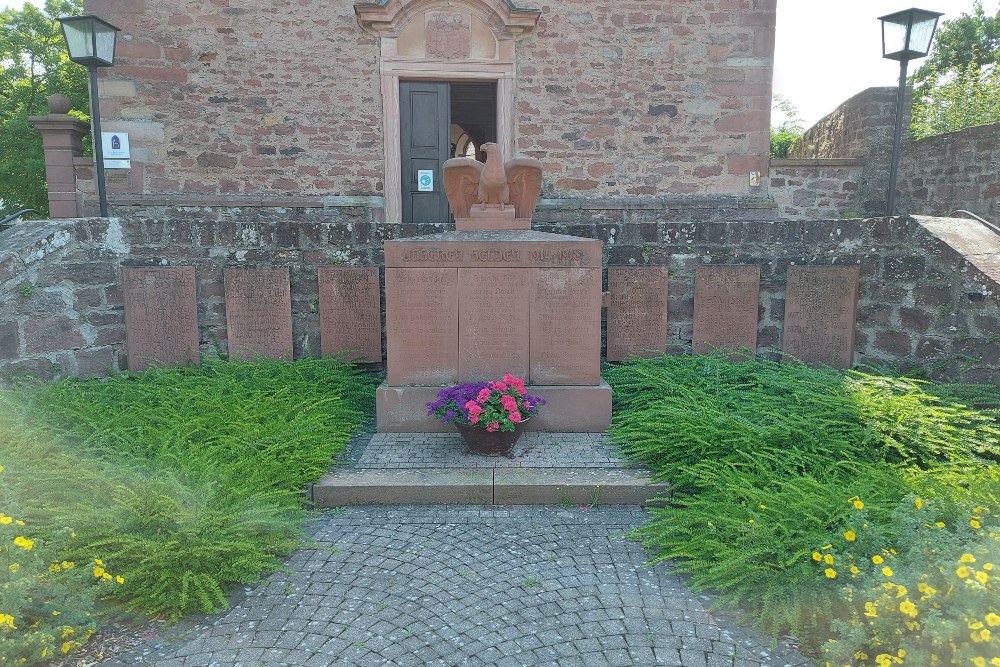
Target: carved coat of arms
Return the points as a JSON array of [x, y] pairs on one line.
[[449, 34]]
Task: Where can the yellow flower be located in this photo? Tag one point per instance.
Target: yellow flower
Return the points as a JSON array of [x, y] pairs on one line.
[[66, 647], [751, 521], [8, 620], [67, 632], [992, 620], [18, 522], [995, 661], [974, 524], [54, 567], [979, 661], [918, 502], [878, 560], [5, 520], [1, 469], [67, 564], [106, 576], [828, 559], [854, 569], [982, 577], [967, 558], [98, 571], [850, 536], [980, 635], [887, 571], [24, 542], [120, 579], [816, 556], [858, 505], [13, 567], [871, 610], [830, 573], [900, 591], [901, 653], [98, 561], [928, 591], [908, 608], [56, 613], [962, 572], [988, 566], [939, 524]]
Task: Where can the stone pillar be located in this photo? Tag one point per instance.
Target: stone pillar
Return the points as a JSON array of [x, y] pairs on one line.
[[62, 140]]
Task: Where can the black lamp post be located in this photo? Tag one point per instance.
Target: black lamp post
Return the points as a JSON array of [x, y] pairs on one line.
[[91, 43], [906, 35]]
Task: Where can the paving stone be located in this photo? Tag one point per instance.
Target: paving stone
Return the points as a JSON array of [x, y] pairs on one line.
[[471, 585]]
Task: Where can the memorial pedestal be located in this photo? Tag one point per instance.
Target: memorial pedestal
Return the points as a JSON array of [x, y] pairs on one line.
[[467, 306]]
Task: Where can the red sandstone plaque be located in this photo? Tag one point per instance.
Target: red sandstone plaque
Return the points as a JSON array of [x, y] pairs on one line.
[[259, 313], [725, 308], [820, 313], [565, 327], [493, 327], [421, 326], [350, 313], [161, 317], [637, 312]]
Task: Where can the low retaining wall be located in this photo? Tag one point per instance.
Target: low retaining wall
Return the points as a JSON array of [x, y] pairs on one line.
[[929, 295], [816, 189]]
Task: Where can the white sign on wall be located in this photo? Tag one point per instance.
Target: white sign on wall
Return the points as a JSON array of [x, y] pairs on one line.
[[425, 180], [116, 150]]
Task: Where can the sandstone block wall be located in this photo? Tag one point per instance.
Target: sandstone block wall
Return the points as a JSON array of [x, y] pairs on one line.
[[929, 295], [816, 189], [283, 99], [957, 170]]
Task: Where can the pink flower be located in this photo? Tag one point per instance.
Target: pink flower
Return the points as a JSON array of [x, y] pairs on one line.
[[474, 409], [495, 426], [484, 395], [470, 404], [500, 386], [521, 390], [473, 418], [509, 402], [515, 416], [527, 405]]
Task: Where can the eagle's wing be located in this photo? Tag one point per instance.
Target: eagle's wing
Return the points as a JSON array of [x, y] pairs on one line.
[[524, 176], [461, 183]]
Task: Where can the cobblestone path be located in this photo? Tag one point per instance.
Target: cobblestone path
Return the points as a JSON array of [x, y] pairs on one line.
[[449, 586]]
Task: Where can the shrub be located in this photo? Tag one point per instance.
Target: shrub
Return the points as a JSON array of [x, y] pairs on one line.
[[186, 480], [761, 457], [46, 599]]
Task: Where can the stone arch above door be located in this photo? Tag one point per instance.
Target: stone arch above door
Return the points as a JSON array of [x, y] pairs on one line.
[[451, 40]]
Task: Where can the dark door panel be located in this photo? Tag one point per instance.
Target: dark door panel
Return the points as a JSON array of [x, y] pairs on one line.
[[424, 124]]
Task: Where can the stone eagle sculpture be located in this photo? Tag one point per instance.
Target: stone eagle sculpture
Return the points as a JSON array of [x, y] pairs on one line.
[[496, 184]]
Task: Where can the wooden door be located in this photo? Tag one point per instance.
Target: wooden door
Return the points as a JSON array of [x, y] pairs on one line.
[[424, 124]]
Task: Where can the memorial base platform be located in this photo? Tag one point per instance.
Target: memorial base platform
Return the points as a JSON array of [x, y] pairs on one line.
[[568, 409]]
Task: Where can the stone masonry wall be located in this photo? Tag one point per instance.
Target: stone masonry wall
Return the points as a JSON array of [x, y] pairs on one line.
[[816, 189], [930, 288], [957, 170], [283, 99], [648, 98]]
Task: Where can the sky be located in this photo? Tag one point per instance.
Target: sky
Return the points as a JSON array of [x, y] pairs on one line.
[[825, 52]]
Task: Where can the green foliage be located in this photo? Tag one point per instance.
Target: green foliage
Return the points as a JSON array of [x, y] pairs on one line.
[[790, 130], [958, 85], [46, 600], [187, 480], [763, 459], [33, 65], [964, 98], [929, 596]]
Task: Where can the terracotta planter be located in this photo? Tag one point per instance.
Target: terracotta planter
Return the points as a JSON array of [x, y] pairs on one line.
[[482, 442]]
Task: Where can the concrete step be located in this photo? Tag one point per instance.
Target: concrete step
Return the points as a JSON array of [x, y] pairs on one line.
[[486, 486]]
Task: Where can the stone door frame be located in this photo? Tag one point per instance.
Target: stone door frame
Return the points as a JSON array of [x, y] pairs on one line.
[[387, 19]]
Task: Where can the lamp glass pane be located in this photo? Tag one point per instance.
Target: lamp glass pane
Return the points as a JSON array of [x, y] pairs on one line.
[[921, 34], [894, 36], [104, 36], [78, 39]]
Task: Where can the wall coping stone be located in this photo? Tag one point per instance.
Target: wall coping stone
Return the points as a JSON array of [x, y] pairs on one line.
[[979, 244], [249, 201], [653, 203], [818, 162]]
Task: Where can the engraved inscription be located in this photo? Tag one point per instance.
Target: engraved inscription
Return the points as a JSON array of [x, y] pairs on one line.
[[637, 312], [820, 312], [161, 317], [725, 308], [493, 329], [432, 255], [496, 255], [422, 326], [565, 330], [350, 313], [259, 313]]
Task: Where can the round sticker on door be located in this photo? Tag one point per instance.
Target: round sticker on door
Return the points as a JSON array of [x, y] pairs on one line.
[[425, 180]]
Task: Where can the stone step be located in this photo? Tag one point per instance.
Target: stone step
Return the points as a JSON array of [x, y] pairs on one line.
[[486, 486]]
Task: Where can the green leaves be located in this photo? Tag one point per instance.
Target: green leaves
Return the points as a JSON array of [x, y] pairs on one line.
[[33, 65], [183, 480]]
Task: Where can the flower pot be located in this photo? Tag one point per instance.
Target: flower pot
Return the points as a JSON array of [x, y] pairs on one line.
[[482, 442]]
